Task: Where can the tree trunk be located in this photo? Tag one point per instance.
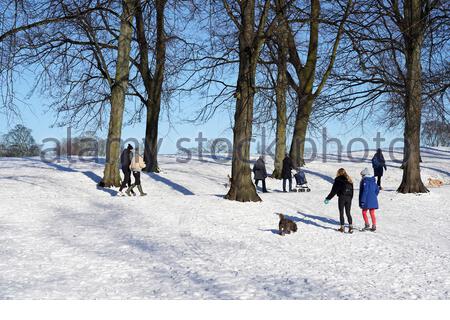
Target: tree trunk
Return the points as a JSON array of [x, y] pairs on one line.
[[297, 152], [413, 36], [153, 83], [305, 94], [280, 147], [111, 174], [151, 138], [280, 91], [242, 188]]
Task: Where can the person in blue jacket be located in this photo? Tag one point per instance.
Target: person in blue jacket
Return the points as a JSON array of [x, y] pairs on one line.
[[368, 201], [378, 164]]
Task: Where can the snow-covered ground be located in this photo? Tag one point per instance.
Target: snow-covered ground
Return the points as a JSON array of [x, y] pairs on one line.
[[62, 238]]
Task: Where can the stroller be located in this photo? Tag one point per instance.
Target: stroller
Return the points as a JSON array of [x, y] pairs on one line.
[[301, 183]]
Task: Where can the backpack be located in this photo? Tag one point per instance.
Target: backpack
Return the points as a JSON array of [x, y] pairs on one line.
[[137, 164], [376, 163], [348, 189]]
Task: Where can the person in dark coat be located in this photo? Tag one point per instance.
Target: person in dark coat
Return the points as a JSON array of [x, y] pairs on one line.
[[286, 173], [368, 201], [260, 172], [378, 164], [343, 188], [125, 162]]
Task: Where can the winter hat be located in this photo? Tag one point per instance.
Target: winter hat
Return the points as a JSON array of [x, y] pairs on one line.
[[365, 172], [130, 147]]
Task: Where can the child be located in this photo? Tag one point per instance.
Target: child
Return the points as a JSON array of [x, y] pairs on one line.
[[343, 188], [368, 192], [136, 166]]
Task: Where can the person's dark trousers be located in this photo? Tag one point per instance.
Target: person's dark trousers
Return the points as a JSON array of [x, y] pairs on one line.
[[379, 181], [126, 179], [137, 178], [345, 203], [263, 184], [290, 184]]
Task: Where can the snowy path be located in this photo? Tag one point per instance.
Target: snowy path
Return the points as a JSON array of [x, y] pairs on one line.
[[62, 238]]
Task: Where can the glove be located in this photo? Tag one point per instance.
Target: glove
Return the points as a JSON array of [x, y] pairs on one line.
[[326, 201]]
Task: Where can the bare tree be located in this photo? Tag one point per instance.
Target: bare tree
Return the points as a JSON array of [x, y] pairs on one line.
[[308, 73], [152, 81], [436, 133], [111, 175], [412, 25], [78, 59], [19, 142], [281, 86], [398, 65], [21, 24], [251, 39]]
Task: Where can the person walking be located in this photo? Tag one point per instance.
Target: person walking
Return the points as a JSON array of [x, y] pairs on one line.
[[378, 164], [343, 188], [368, 201], [125, 162], [260, 172], [286, 172], [136, 166]]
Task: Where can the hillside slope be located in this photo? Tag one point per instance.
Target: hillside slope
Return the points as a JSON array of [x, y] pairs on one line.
[[61, 237]]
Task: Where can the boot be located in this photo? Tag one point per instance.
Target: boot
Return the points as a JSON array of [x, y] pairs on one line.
[[374, 228], [350, 229], [341, 229], [366, 227], [141, 191], [130, 190]]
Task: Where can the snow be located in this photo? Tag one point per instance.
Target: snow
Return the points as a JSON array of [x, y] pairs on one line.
[[62, 238]]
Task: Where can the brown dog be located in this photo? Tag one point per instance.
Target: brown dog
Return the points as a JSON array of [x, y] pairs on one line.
[[285, 226]]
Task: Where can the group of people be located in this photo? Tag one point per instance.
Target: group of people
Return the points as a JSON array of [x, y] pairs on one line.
[[368, 193], [342, 188], [131, 164], [260, 172], [368, 198]]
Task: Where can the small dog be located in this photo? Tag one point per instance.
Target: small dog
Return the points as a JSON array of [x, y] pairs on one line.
[[285, 226], [435, 183]]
